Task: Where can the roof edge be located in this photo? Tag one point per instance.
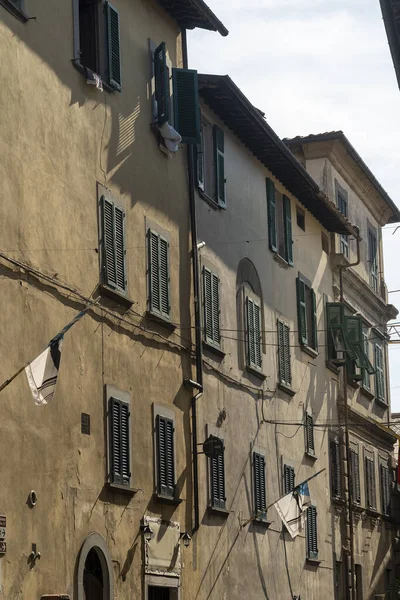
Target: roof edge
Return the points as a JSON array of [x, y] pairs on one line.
[[392, 36], [211, 17]]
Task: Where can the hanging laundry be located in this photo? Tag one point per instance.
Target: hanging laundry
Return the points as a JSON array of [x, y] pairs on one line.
[[93, 78], [171, 137], [292, 507]]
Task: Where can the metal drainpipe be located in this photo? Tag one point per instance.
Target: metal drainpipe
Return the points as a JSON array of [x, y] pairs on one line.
[[350, 581], [197, 319]]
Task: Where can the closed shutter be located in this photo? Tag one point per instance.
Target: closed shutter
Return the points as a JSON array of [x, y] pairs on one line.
[[288, 478], [302, 311], [337, 337], [287, 223], [271, 207], [114, 250], [370, 486], [355, 476], [385, 490], [260, 503], [186, 105], [314, 320], [158, 261], [165, 456], [219, 165], [336, 483], [312, 533], [217, 475], [253, 334], [310, 434], [372, 259], [211, 307], [114, 53], [380, 376], [285, 375], [119, 450], [366, 375], [162, 84], [353, 328], [200, 159]]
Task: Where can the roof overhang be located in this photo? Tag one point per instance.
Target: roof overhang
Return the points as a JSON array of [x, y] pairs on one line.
[[391, 18], [248, 124], [193, 13]]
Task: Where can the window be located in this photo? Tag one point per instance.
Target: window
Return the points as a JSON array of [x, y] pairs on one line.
[[284, 367], [119, 436], [379, 374], [385, 489], [325, 242], [211, 163], [97, 39], [253, 334], [260, 503], [335, 466], [158, 274], [217, 480], [165, 456], [341, 199], [310, 443], [373, 259], [360, 361], [288, 478], [301, 218], [355, 476], [279, 223], [312, 533], [211, 296], [307, 313], [370, 485], [113, 247]]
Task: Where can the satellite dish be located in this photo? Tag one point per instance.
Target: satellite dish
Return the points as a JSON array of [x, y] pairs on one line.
[[213, 447]]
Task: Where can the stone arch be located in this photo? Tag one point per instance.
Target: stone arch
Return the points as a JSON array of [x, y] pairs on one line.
[[94, 543], [247, 277]]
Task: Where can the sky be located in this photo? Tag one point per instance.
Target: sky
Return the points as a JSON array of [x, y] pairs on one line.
[[314, 66]]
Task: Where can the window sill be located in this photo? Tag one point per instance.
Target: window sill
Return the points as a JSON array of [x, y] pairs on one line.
[[372, 512], [285, 388], [223, 512], [281, 261], [115, 295], [332, 367], [82, 70], [338, 501], [167, 499], [367, 393], [353, 383], [310, 455], [210, 200], [14, 10], [310, 351], [261, 523], [256, 372], [117, 487], [357, 508], [381, 402], [161, 320], [215, 349], [313, 561]]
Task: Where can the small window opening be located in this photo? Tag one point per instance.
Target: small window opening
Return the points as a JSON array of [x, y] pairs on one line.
[[301, 218], [325, 242]]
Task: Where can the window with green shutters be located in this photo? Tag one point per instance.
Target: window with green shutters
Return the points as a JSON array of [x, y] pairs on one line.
[[307, 314], [219, 162], [373, 259], [370, 483], [385, 489], [200, 159], [113, 47], [366, 376], [186, 105], [159, 280], [211, 296], [217, 480], [355, 476], [360, 363], [113, 245], [342, 206], [210, 152], [161, 76], [260, 503], [288, 478], [119, 442], [310, 443], [335, 468], [165, 431], [279, 223], [312, 533], [253, 334], [284, 365], [380, 392]]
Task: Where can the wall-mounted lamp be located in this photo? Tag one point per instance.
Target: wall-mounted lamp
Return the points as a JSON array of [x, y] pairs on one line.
[[185, 537], [147, 532]]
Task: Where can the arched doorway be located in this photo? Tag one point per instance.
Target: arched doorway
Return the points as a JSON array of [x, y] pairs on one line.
[[94, 575]]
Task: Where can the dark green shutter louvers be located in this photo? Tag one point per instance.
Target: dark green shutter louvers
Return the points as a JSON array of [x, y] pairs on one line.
[[200, 159], [186, 105], [336, 484], [253, 334], [219, 165], [353, 326], [301, 311], [114, 51], [114, 251], [217, 476], [211, 307], [370, 482], [379, 373], [165, 456], [355, 474], [385, 490], [120, 444], [260, 503], [310, 434], [158, 263], [288, 478], [271, 207], [284, 366], [338, 340], [162, 84], [287, 222], [314, 320], [312, 534]]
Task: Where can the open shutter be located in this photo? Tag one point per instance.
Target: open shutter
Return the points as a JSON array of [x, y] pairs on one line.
[[353, 328], [380, 375], [217, 467], [164, 277], [165, 456], [253, 313], [114, 251], [271, 207], [260, 503], [186, 105], [312, 535], [287, 220], [200, 159], [370, 482], [215, 309], [208, 307], [355, 474], [120, 250], [314, 321], [154, 281], [162, 84], [114, 53], [284, 366], [338, 340], [301, 311], [257, 335], [120, 444], [310, 434], [219, 165], [385, 490], [336, 486], [288, 478]]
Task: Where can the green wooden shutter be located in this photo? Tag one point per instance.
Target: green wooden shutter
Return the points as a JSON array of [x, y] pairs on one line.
[[336, 483], [312, 533], [159, 284], [260, 503], [301, 311], [314, 320], [353, 328], [114, 251], [355, 474], [288, 478], [253, 313], [164, 277], [165, 456], [119, 450], [310, 434], [370, 486], [200, 159], [365, 373], [219, 165], [208, 307], [380, 374], [385, 490], [215, 283], [162, 84], [186, 105], [120, 250], [284, 366], [287, 221], [271, 207], [114, 51], [337, 336], [217, 476]]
